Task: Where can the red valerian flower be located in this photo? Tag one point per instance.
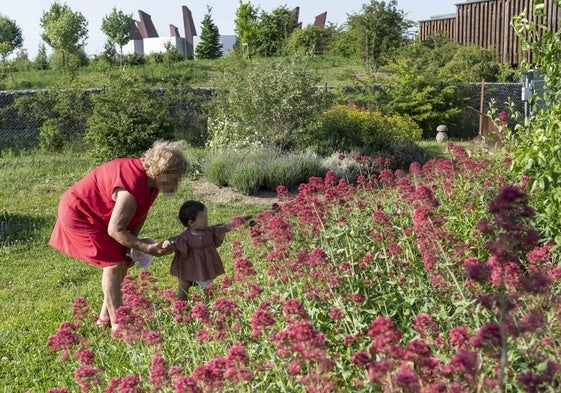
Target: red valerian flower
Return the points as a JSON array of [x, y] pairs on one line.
[[80, 309], [87, 377], [186, 385], [406, 379], [159, 377], [64, 339]]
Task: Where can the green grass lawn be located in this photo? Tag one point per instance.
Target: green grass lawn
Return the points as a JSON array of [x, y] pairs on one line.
[[38, 283], [329, 70]]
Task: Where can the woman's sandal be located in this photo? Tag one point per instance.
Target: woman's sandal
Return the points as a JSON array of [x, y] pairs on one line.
[[103, 322]]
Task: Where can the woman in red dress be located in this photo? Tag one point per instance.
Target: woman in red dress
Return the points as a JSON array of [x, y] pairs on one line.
[[100, 217]]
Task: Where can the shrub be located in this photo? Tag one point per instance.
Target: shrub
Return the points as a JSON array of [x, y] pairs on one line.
[[534, 146], [51, 137], [402, 153], [217, 165], [126, 119], [343, 165], [290, 169], [268, 104], [68, 108], [250, 170], [247, 176], [351, 128]]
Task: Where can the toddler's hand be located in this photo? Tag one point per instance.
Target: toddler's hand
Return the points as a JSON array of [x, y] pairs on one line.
[[167, 244]]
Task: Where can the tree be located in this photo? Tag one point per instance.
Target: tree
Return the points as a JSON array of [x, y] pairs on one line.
[[210, 46], [380, 28], [246, 24], [64, 30], [273, 31], [10, 38], [310, 40], [41, 62], [117, 27]]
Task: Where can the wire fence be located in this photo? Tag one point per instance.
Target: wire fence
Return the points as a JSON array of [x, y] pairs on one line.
[[24, 113]]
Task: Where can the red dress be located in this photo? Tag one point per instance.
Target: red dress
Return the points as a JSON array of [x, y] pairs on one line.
[[85, 209], [196, 257]]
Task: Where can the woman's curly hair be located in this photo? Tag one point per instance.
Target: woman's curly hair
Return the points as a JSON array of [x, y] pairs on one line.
[[165, 157]]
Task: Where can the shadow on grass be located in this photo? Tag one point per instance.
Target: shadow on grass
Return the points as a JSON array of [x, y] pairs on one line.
[[20, 229]]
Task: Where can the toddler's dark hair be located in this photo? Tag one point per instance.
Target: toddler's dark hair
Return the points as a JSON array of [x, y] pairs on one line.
[[189, 210]]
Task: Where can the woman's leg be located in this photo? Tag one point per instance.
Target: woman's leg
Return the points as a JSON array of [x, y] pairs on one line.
[[111, 281], [183, 289]]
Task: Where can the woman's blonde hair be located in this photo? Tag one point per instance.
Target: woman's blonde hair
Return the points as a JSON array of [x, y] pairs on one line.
[[165, 157]]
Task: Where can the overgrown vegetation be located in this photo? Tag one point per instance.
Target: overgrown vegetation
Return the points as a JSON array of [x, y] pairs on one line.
[[126, 120], [536, 153]]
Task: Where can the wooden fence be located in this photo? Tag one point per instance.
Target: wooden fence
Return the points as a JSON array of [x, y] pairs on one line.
[[488, 24]]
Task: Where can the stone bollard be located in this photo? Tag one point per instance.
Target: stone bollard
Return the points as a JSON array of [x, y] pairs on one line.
[[441, 133]]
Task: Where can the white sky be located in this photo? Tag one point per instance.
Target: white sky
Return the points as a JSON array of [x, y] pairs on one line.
[[27, 14]]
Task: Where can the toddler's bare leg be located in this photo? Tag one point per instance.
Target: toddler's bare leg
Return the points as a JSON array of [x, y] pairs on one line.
[[183, 289], [207, 295]]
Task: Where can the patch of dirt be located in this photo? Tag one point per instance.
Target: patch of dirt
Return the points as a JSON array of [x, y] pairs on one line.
[[212, 193]]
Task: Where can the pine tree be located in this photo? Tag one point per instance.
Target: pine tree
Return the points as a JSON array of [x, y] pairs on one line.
[[209, 47]]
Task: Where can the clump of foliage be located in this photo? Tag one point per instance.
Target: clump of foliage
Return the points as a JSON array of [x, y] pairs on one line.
[[244, 113], [535, 145], [127, 118], [65, 112], [251, 170], [350, 127]]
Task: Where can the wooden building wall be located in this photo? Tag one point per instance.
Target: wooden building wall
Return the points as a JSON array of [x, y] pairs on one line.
[[488, 24]]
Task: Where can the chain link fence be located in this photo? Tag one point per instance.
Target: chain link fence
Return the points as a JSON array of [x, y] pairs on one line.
[[23, 113]]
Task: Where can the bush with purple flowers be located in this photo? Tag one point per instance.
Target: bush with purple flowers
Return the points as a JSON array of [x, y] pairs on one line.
[[431, 281]]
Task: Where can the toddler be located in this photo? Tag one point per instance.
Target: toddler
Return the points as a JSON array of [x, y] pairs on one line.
[[196, 258]]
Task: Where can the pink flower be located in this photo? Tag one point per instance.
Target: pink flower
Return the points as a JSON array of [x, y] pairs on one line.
[[383, 333], [361, 359], [203, 335], [259, 320], [539, 255], [488, 337], [86, 356], [464, 362], [200, 312], [130, 384], [336, 313], [80, 309], [237, 222], [159, 377], [407, 379], [237, 354], [64, 339], [243, 268], [293, 308], [425, 325], [87, 377], [186, 385], [459, 337], [152, 338]]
